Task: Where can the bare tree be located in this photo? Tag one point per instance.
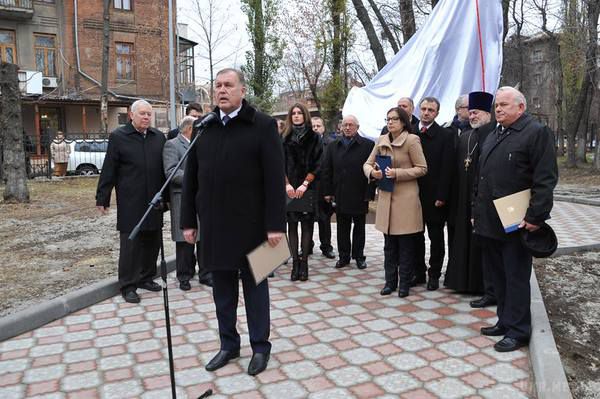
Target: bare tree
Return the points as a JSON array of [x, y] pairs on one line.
[[407, 16], [215, 31], [389, 36], [11, 127], [365, 20]]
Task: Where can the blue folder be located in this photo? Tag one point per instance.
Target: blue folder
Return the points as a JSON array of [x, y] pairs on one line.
[[384, 161]]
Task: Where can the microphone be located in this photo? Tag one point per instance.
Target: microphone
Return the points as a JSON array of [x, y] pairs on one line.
[[206, 120]]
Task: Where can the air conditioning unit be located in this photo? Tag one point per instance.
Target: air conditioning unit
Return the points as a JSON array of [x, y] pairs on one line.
[[30, 82], [49, 82]]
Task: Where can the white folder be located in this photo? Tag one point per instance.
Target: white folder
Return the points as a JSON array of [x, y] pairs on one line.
[[512, 209], [264, 259]]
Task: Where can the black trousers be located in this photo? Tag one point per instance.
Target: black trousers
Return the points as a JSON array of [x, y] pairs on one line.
[[185, 261], [137, 259], [324, 222], [356, 247], [510, 266], [256, 299], [437, 251], [399, 261], [488, 279]]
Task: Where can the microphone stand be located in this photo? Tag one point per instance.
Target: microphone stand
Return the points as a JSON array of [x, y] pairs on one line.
[[155, 204]]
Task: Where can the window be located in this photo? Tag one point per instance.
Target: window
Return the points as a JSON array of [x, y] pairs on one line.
[[123, 4], [45, 52], [537, 56], [124, 61], [7, 46]]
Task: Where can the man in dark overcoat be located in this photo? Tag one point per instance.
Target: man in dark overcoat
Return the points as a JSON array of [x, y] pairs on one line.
[[349, 189], [192, 109], [133, 166], [324, 209], [465, 271], [234, 184], [408, 105], [434, 191], [518, 155], [185, 259]]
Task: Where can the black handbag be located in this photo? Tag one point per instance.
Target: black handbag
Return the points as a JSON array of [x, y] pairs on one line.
[[304, 204]]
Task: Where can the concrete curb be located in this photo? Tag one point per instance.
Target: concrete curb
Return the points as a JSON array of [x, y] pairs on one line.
[[575, 200], [46, 312], [548, 373]]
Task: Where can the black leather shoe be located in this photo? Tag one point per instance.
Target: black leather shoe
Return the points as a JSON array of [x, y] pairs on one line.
[[329, 254], [131, 297], [493, 331], [150, 286], [185, 285], [341, 263], [207, 281], [433, 284], [483, 302], [361, 264], [508, 344], [387, 290], [221, 359], [258, 363], [403, 292], [418, 281]]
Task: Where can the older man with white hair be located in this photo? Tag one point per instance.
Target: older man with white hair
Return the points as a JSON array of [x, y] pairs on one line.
[[518, 155], [346, 185], [133, 166]]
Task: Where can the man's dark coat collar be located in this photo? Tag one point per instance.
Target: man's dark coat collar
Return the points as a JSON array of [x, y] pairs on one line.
[[129, 129]]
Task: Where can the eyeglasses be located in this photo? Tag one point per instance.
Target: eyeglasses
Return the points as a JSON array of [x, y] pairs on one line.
[[392, 119]]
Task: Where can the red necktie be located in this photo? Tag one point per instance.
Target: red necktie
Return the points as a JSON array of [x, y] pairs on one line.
[[423, 129]]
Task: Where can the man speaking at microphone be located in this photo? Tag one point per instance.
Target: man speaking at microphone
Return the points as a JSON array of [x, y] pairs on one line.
[[234, 182]]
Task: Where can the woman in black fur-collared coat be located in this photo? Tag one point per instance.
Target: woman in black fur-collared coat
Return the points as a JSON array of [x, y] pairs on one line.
[[303, 150]]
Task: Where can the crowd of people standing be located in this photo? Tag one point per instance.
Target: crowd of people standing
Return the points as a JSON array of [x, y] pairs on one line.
[[249, 179]]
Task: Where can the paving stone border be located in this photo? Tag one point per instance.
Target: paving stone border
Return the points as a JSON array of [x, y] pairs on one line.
[[44, 313]]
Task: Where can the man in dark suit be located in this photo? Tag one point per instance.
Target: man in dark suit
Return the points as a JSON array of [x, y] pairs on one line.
[[184, 252], [434, 191], [344, 183], [193, 109], [408, 105], [325, 209], [234, 184], [133, 165], [518, 155]]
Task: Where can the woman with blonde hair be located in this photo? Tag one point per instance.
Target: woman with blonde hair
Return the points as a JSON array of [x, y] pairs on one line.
[[399, 215]]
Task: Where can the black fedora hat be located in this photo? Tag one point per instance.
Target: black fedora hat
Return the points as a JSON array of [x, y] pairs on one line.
[[540, 243]]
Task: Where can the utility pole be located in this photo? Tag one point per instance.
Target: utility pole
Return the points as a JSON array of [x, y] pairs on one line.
[[172, 117]]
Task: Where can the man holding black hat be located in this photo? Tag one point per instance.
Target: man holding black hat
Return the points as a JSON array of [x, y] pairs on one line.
[[465, 272], [518, 155]]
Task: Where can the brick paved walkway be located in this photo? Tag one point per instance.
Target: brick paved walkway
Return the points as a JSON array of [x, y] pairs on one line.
[[333, 337]]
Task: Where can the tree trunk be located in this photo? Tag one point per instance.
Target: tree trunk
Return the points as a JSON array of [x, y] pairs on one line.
[[505, 8], [105, 52], [386, 29], [583, 98], [407, 18], [434, 3], [376, 47], [11, 126], [596, 164], [259, 49], [583, 133]]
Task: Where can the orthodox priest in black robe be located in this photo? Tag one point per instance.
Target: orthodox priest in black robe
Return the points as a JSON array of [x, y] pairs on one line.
[[465, 272]]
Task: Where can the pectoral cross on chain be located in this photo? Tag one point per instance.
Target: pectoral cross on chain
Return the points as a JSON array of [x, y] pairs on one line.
[[467, 163]]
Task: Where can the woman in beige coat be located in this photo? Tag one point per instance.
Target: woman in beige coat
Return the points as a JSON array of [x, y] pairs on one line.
[[399, 215]]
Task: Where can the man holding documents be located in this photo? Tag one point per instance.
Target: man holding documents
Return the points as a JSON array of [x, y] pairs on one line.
[[234, 182], [518, 155]]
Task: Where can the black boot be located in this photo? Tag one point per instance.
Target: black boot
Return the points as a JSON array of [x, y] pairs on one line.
[[295, 270], [303, 270]]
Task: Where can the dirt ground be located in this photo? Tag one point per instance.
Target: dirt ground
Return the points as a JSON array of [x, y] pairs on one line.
[[569, 286], [56, 243], [583, 175]]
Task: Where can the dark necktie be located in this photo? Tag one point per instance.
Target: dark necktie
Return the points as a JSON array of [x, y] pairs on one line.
[[226, 119], [501, 132]]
